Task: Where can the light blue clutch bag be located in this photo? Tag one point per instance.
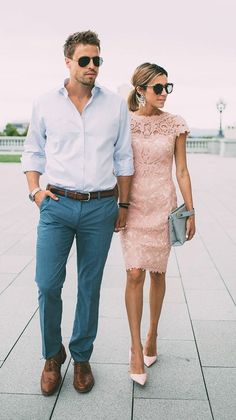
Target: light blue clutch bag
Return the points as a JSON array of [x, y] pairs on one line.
[[177, 225]]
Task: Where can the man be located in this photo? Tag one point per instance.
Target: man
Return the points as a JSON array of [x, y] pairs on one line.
[[79, 135]]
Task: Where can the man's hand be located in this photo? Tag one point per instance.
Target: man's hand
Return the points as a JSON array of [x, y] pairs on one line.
[[40, 196], [121, 220]]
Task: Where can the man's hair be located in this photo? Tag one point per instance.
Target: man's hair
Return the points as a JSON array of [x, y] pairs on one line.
[[86, 37]]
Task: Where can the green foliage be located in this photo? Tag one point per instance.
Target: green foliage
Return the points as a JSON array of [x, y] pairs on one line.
[[10, 158], [11, 130]]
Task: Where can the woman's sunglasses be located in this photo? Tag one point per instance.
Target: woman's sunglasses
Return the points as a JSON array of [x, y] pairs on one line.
[[158, 88], [84, 61]]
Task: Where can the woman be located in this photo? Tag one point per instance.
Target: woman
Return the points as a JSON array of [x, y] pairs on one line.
[[157, 137]]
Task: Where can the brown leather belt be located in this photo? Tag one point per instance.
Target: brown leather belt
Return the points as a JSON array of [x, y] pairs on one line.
[[75, 195]]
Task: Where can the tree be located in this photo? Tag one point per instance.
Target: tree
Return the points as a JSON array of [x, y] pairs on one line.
[[10, 130]]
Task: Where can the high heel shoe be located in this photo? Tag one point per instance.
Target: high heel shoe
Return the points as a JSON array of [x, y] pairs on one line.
[[139, 378], [149, 360]]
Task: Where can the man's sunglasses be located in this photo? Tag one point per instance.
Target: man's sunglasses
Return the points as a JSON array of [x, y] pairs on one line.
[[158, 88], [84, 61]]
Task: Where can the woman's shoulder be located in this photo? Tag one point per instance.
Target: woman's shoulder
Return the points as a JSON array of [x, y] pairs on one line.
[[156, 117], [163, 122], [180, 124]]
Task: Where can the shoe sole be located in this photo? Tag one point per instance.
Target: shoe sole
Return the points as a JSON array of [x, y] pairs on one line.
[[84, 391]]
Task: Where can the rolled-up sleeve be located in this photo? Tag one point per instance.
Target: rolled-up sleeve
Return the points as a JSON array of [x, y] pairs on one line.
[[33, 156], [123, 155]]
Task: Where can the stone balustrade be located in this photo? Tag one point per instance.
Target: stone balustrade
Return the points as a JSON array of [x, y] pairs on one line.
[[217, 146], [11, 144]]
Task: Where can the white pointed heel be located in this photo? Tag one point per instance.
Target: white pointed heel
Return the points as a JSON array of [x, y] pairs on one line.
[[139, 378], [149, 360]]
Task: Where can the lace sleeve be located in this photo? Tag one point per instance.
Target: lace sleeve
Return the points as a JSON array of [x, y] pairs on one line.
[[181, 126]]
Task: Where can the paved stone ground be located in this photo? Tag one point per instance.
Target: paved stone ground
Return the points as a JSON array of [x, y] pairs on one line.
[[195, 377]]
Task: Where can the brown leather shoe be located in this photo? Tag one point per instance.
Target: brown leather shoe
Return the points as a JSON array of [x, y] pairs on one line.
[[51, 375], [83, 377]]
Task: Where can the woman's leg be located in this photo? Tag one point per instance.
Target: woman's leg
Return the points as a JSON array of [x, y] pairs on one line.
[[156, 297], [134, 307]]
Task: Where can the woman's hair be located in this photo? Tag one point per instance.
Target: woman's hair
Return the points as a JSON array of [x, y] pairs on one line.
[[143, 74], [86, 37]]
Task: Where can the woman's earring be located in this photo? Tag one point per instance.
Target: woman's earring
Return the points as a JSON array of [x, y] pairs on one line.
[[140, 99]]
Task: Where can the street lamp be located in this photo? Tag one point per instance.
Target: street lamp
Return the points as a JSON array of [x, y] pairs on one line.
[[221, 107]]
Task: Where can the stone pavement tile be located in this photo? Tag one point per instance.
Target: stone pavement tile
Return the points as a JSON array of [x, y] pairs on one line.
[[155, 409], [115, 256], [174, 290], [174, 322], [8, 240], [221, 386], [230, 282], [113, 341], [209, 280], [10, 263], [112, 303], [221, 248], [25, 407], [172, 267], [196, 268], [22, 227], [114, 277], [25, 246], [216, 342], [110, 398], [176, 375], [17, 305], [210, 305], [21, 372], [5, 280]]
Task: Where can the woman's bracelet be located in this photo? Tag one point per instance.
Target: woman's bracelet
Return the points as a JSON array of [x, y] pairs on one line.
[[124, 205]]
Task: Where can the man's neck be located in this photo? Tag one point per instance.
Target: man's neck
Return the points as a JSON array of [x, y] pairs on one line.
[[79, 94], [78, 90]]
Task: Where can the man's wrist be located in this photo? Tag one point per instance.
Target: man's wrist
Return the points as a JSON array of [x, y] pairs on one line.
[[33, 193]]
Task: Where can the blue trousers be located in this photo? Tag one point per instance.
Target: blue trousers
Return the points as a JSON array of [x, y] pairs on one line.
[[92, 224]]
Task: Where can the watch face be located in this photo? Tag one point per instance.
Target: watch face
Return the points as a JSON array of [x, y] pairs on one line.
[[31, 197]]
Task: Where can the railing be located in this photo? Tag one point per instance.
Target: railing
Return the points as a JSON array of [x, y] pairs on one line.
[[11, 144], [197, 145], [194, 145]]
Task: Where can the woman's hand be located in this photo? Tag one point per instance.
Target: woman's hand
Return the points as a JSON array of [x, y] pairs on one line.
[[121, 220], [190, 227]]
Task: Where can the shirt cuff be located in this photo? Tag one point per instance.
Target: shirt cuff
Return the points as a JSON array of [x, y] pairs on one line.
[[33, 163], [124, 168]]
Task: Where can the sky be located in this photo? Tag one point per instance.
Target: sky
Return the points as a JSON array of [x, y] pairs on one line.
[[195, 41]]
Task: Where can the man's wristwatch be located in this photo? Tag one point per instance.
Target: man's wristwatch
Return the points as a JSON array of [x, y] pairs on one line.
[[32, 194]]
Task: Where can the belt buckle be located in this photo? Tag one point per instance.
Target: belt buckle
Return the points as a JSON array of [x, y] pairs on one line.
[[88, 197]]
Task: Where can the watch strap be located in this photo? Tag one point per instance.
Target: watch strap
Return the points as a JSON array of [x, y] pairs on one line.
[[33, 192]]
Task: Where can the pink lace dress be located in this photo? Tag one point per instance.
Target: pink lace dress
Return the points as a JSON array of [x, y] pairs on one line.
[[145, 241]]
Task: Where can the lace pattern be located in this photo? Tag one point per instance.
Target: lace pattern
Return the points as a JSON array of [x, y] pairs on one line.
[[145, 241]]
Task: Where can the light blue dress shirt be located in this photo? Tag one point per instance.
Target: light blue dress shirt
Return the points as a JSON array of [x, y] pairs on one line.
[[83, 152]]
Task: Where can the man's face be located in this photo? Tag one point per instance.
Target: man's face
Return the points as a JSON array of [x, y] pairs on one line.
[[83, 75]]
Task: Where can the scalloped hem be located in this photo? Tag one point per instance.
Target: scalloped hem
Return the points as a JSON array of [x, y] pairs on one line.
[[151, 270]]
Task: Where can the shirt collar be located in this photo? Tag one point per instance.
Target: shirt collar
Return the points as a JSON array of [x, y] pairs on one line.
[[64, 91]]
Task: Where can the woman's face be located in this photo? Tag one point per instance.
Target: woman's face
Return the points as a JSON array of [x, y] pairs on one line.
[[153, 99]]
